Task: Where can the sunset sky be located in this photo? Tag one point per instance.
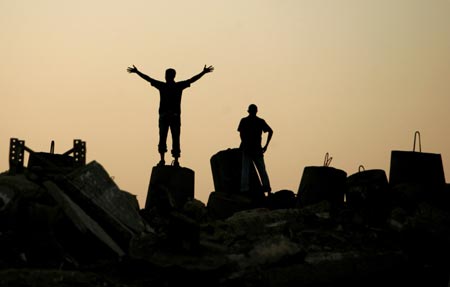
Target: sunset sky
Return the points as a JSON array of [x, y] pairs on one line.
[[352, 78]]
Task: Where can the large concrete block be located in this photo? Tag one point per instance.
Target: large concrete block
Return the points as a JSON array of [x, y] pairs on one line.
[[170, 187]]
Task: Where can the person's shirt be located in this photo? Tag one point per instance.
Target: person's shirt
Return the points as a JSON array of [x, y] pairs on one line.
[[170, 96], [251, 129]]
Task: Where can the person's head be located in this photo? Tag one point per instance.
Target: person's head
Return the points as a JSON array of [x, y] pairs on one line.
[[252, 109], [170, 75]]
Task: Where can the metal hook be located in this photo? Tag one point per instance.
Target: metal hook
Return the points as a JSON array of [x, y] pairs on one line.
[[361, 167], [417, 134], [327, 160]]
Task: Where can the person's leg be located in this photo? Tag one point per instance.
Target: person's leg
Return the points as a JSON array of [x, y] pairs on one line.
[[163, 131], [245, 173], [261, 167], [175, 129], [162, 161]]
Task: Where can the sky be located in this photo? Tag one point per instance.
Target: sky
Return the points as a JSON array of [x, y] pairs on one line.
[[352, 78]]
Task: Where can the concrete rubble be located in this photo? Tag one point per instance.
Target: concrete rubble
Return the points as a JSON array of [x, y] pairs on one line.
[[78, 228]]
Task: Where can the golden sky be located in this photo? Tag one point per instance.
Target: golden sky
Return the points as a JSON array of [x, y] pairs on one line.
[[354, 78]]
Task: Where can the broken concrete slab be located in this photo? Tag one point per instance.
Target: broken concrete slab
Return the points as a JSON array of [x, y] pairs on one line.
[[97, 194], [83, 222], [15, 189]]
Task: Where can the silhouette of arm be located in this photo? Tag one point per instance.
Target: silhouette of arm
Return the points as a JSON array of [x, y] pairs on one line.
[[241, 136], [269, 138], [135, 70], [198, 76]]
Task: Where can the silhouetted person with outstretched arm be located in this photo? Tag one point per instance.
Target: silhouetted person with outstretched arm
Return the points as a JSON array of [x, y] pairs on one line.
[[170, 108], [251, 129]]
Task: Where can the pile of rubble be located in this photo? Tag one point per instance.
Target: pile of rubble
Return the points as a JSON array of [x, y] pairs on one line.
[[66, 223]]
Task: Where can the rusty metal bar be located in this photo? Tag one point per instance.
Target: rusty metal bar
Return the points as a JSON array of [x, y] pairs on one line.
[[17, 151], [78, 151], [16, 155]]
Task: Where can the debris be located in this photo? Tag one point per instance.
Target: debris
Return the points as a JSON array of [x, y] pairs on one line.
[[67, 222]]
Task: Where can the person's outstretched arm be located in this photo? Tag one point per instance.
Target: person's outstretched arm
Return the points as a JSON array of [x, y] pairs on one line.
[[198, 76], [135, 70]]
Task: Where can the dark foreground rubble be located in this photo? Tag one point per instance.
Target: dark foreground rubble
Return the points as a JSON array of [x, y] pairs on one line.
[[78, 228]]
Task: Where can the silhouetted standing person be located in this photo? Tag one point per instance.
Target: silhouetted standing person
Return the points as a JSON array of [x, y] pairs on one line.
[[170, 108], [251, 129]]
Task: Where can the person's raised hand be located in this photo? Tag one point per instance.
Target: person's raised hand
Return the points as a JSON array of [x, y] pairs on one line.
[[132, 69], [208, 69]]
